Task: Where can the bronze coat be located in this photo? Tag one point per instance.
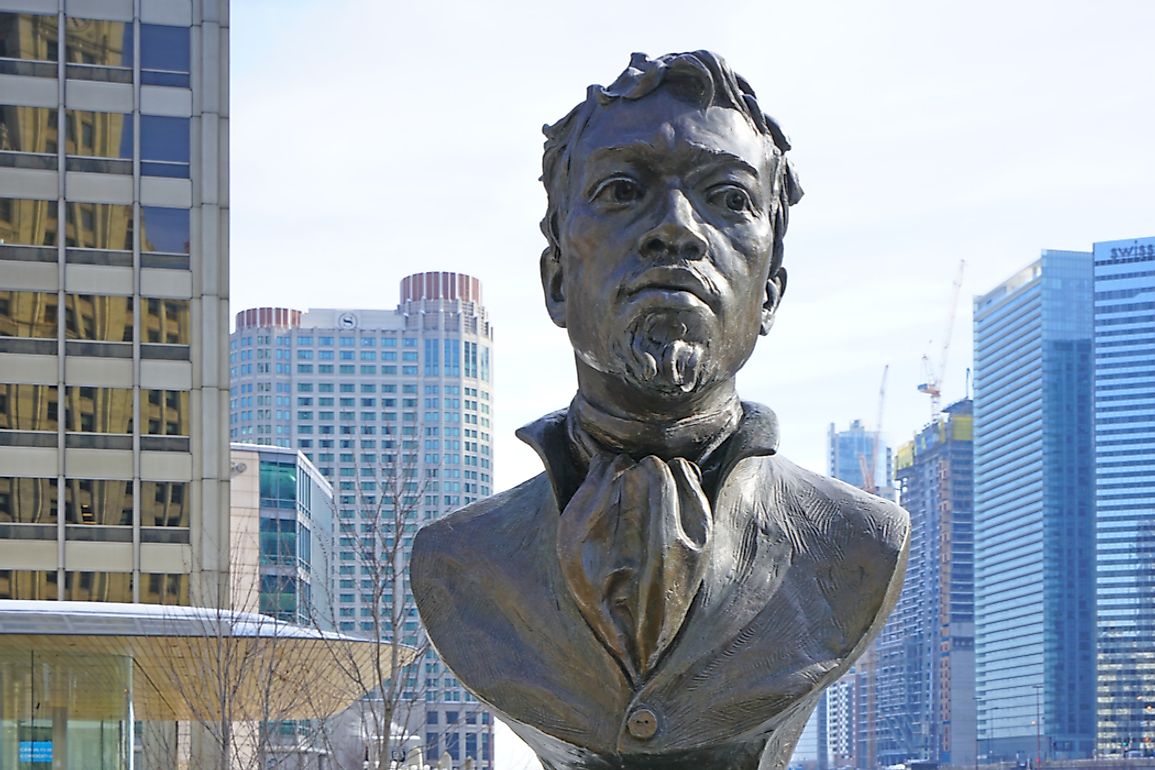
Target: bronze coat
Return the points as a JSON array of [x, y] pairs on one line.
[[801, 575]]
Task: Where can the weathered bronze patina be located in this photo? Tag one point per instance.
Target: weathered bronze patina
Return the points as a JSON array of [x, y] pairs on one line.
[[671, 592]]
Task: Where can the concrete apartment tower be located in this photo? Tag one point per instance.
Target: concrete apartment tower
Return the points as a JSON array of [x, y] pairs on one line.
[[1124, 353], [395, 408], [1034, 512]]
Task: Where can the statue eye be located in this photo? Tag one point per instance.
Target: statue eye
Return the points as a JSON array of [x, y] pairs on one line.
[[619, 190], [732, 198]]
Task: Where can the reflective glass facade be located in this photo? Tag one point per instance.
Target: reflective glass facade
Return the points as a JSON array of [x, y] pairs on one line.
[[60, 710], [851, 452], [1034, 512], [113, 284], [296, 539], [1125, 492]]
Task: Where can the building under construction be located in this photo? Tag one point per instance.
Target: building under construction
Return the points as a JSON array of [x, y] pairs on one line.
[[922, 704]]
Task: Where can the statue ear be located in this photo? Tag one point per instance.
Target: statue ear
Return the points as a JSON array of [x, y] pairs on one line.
[[551, 285], [775, 288]]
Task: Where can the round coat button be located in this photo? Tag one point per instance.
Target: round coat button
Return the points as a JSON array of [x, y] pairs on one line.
[[642, 724]]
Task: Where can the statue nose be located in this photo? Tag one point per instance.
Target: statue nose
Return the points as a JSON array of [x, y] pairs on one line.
[[678, 235]]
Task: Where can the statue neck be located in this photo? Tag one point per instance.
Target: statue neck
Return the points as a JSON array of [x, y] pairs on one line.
[[693, 437]]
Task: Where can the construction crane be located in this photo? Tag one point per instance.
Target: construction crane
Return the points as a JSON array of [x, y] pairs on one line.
[[869, 482], [932, 375]]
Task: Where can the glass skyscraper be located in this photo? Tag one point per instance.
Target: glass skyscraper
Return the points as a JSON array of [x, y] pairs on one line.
[[850, 454], [1125, 492], [1034, 512], [395, 408], [911, 696]]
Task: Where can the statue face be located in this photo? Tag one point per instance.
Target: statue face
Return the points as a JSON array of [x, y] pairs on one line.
[[666, 244]]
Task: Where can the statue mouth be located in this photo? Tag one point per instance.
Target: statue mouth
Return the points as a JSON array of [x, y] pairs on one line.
[[678, 284]]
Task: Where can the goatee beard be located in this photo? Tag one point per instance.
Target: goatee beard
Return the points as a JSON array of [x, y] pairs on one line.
[[665, 355]]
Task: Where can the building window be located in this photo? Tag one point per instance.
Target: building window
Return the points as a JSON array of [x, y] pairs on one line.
[[28, 314], [164, 588], [27, 584], [165, 412], [99, 50], [164, 504], [105, 226], [98, 586], [97, 502], [452, 358], [98, 142], [29, 131], [30, 37], [164, 230], [164, 55], [166, 321], [29, 227], [164, 146], [28, 500]]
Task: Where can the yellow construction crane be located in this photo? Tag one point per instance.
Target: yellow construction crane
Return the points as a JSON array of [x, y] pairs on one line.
[[932, 384]]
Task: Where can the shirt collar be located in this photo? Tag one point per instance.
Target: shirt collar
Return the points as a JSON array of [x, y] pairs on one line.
[[756, 435]]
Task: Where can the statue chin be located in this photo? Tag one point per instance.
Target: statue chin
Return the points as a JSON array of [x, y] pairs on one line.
[[670, 368], [664, 355]]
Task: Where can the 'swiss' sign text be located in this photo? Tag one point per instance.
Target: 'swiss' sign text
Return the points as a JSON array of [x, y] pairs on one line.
[[1136, 249]]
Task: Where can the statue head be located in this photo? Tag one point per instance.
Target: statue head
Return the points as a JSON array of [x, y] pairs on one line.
[[668, 199]]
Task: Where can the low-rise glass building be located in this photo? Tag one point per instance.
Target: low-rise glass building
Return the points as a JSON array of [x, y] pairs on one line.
[[77, 680]]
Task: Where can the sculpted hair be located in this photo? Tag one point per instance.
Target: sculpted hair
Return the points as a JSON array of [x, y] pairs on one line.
[[700, 77]]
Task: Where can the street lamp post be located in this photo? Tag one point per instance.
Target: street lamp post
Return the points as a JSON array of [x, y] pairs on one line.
[[1038, 727], [990, 731], [977, 702]]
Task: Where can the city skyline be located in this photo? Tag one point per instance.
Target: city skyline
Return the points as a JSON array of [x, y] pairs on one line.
[[914, 153], [922, 136]]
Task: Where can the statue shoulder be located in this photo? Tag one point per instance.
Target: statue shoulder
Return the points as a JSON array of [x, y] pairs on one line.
[[849, 512], [857, 543], [479, 530]]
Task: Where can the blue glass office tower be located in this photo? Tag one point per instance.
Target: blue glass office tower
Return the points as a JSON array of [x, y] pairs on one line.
[[1125, 492], [1034, 512], [849, 453]]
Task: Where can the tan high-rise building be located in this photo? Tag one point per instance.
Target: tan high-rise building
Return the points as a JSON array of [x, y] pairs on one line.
[[114, 460], [113, 300]]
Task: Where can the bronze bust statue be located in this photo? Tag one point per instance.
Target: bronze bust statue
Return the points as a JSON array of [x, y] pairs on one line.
[[671, 593]]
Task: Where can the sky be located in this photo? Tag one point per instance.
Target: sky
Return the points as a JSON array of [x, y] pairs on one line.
[[370, 140]]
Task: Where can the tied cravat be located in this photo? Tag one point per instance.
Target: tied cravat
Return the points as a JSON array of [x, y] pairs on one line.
[[631, 544]]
